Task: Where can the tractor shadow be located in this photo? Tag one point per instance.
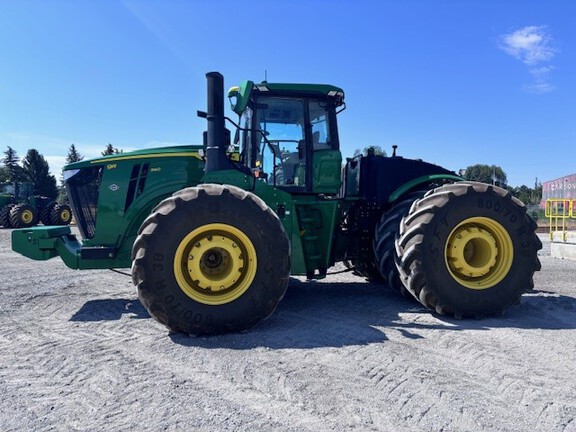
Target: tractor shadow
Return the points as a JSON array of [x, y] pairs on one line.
[[337, 314], [110, 310]]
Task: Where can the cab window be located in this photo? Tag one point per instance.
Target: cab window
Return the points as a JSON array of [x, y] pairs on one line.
[[281, 155]]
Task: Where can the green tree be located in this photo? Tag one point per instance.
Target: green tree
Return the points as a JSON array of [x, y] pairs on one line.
[[4, 174], [491, 174], [10, 161], [110, 150], [73, 155], [528, 195], [523, 193], [377, 150], [37, 172]]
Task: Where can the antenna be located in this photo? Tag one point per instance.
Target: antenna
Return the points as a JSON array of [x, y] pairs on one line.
[[265, 75]]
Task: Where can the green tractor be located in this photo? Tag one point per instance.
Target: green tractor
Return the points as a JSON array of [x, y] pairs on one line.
[[212, 233], [19, 208]]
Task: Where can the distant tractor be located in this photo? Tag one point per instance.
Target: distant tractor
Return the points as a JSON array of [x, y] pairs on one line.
[[212, 233], [19, 208]]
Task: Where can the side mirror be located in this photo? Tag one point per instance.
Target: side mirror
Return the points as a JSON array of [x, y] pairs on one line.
[[237, 136]]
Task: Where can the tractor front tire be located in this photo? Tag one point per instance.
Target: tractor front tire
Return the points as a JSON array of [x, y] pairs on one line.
[[211, 259], [5, 215], [23, 216], [60, 214], [468, 249]]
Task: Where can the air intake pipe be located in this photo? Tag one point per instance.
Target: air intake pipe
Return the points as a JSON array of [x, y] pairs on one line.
[[217, 139]]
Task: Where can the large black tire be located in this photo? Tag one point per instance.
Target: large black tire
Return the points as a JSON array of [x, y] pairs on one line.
[[5, 215], [211, 259], [61, 214], [386, 232], [468, 249], [45, 214], [23, 216]]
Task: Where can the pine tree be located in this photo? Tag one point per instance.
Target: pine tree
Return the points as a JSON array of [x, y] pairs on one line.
[[37, 172], [4, 174], [110, 150], [11, 163], [73, 155]]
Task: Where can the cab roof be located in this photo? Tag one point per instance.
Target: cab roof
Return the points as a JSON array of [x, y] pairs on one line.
[[243, 92]]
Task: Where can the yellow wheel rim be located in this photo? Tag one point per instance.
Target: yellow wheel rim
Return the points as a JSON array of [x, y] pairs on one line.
[[479, 253], [215, 264], [27, 216], [65, 215]]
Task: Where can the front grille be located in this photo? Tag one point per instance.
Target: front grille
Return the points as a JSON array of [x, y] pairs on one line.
[[83, 189]]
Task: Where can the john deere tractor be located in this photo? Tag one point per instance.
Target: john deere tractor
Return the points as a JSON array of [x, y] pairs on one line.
[[19, 208], [212, 233]]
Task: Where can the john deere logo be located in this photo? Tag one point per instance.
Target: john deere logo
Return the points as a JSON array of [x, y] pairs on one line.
[[113, 187]]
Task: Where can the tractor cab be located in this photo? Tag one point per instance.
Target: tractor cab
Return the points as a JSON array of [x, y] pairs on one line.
[[20, 191], [289, 134]]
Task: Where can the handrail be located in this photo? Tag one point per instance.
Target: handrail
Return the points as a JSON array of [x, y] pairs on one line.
[[558, 210]]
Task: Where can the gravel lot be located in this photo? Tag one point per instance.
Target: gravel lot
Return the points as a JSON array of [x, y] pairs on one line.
[[79, 353]]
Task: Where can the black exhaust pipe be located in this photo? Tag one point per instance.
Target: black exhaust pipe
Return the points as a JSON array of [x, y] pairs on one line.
[[216, 142]]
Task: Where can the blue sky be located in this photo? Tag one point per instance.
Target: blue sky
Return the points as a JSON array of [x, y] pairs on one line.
[[452, 82]]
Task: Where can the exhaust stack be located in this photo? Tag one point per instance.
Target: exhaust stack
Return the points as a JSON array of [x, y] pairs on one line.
[[216, 142]]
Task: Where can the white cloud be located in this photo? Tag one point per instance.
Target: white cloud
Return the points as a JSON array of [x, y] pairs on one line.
[[533, 46], [539, 87], [541, 72]]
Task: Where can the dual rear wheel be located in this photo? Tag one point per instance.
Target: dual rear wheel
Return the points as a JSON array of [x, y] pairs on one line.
[[466, 249]]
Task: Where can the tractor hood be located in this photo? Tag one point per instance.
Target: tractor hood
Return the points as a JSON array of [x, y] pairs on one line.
[[158, 152]]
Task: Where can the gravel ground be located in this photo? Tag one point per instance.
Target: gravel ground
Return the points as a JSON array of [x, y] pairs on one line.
[[79, 353]]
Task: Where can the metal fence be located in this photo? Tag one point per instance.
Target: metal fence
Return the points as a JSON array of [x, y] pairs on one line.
[[559, 211]]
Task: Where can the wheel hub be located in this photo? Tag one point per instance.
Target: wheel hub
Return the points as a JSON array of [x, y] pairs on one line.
[[215, 264], [27, 216], [472, 251], [65, 215], [479, 253]]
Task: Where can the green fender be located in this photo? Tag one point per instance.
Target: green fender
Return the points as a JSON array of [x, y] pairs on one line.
[[418, 181]]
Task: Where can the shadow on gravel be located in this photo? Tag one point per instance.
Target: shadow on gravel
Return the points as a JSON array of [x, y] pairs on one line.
[[317, 314], [110, 310], [336, 314], [314, 315], [542, 310]]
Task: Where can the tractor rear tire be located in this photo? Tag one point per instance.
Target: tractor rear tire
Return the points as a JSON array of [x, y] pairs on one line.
[[211, 259], [5, 215], [468, 249], [61, 214], [386, 232], [23, 216], [45, 214]]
